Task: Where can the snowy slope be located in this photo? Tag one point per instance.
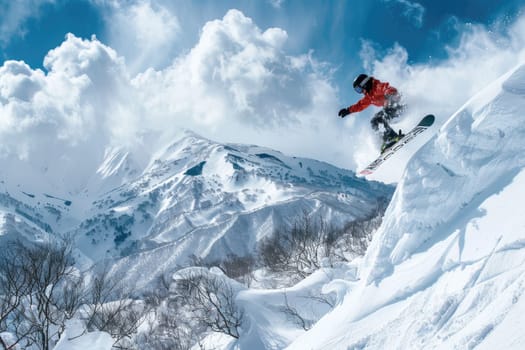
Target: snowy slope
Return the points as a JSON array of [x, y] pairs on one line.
[[446, 269], [148, 212], [197, 197]]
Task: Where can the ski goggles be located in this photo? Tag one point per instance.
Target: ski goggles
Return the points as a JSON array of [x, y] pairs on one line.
[[361, 87]]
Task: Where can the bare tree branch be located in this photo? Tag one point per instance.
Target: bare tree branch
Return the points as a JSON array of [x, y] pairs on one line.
[[210, 300]]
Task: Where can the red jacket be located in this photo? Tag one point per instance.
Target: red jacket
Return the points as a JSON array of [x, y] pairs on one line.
[[377, 96]]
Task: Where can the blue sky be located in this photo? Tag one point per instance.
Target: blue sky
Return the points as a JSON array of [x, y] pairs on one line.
[[333, 29], [270, 72]]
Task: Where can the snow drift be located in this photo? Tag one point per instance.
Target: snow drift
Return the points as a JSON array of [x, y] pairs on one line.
[[446, 268]]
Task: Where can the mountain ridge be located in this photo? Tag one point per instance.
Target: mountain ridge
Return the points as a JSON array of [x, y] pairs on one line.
[[193, 197]]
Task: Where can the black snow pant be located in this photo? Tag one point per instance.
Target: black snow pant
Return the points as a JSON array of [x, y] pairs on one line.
[[391, 110]]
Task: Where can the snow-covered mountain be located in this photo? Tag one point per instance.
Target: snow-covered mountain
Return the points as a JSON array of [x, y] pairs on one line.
[[193, 197], [444, 271], [446, 268]]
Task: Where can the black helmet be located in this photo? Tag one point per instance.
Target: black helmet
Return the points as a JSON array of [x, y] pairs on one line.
[[362, 82]]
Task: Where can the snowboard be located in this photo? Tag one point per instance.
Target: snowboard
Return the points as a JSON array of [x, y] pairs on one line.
[[424, 124]]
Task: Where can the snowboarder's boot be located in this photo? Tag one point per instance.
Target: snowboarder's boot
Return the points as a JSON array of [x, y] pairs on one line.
[[387, 144], [390, 137]]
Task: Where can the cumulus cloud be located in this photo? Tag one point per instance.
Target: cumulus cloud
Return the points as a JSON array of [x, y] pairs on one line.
[[62, 120], [140, 31], [233, 68], [14, 15], [237, 84]]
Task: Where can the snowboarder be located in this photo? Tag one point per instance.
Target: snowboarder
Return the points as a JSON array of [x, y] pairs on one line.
[[379, 94]]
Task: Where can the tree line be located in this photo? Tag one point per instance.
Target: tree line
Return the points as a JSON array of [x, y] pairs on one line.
[[41, 289]]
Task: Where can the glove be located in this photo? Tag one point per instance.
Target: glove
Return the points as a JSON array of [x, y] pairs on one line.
[[344, 112]]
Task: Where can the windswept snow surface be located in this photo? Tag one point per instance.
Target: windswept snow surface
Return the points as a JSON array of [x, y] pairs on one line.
[[446, 268]]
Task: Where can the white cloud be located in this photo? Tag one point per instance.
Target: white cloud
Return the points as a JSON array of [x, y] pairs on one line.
[[237, 84], [62, 121], [14, 15], [144, 32]]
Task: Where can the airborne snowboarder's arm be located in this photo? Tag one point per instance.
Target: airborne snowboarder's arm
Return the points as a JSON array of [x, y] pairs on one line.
[[360, 105]]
